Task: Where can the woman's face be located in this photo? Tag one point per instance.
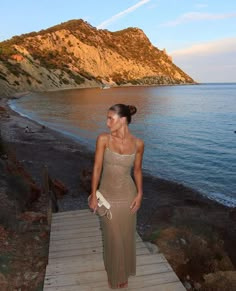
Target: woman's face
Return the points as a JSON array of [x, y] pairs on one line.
[[114, 122]]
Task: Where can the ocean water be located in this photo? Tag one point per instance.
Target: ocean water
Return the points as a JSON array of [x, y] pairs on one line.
[[189, 131]]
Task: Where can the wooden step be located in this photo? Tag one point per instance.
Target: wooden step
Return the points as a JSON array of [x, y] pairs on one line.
[[75, 260]]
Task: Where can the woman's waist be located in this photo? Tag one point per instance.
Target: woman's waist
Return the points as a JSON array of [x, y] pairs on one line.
[[122, 193]]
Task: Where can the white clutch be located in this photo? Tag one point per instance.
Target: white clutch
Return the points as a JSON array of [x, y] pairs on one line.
[[102, 200], [103, 205]]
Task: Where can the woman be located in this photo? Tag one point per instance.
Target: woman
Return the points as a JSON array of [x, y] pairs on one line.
[[116, 153]]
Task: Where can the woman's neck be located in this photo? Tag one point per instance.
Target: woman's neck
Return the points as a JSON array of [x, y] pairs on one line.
[[122, 133]]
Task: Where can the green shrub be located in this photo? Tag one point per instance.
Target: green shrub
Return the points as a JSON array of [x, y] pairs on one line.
[[78, 79]]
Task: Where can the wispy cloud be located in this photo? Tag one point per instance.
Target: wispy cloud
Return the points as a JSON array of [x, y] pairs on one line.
[[115, 17], [197, 16], [208, 48], [214, 61]]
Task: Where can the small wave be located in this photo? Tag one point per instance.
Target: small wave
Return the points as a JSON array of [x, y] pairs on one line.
[[222, 199], [16, 109]]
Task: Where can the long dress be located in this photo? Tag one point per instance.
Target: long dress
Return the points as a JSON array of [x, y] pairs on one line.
[[119, 239]]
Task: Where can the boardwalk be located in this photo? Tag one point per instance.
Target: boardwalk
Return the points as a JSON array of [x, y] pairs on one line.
[[75, 260]]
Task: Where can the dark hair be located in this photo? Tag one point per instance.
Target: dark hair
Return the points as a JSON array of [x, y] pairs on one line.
[[123, 110]]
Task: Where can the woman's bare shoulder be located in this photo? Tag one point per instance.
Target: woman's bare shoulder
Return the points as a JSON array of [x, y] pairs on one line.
[[103, 137], [139, 143]]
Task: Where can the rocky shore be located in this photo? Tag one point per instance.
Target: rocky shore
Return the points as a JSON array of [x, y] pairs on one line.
[[197, 235]]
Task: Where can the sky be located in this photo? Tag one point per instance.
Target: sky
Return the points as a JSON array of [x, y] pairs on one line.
[[199, 35]]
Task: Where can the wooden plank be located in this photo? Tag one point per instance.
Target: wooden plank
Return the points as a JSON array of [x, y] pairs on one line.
[[64, 260], [62, 215], [73, 224], [99, 266], [90, 254], [68, 288], [75, 259], [89, 244], [75, 219], [78, 252], [74, 235], [175, 286], [75, 230], [99, 278], [89, 264], [72, 212], [80, 240], [75, 240], [69, 232], [89, 235], [94, 258]]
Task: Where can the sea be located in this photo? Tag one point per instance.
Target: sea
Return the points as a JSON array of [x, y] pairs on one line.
[[189, 130]]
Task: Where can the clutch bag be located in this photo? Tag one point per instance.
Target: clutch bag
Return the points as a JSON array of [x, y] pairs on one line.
[[103, 205]]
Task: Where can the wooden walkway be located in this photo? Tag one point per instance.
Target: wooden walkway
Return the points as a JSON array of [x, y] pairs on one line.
[[75, 260]]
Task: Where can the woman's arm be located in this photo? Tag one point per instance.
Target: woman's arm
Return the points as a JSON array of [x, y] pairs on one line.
[[138, 176], [97, 168]]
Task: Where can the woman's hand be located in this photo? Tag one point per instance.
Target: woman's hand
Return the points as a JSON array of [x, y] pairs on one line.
[[136, 203], [93, 203]]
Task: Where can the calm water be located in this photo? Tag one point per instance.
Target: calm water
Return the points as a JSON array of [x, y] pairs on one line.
[[188, 130]]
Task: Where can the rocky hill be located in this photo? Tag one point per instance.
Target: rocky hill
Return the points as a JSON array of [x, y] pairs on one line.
[[76, 54]]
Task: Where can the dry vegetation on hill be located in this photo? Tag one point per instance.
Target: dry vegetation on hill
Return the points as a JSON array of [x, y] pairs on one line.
[[75, 54]]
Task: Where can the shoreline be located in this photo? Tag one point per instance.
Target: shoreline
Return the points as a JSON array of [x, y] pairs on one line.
[[76, 139], [165, 205], [70, 138]]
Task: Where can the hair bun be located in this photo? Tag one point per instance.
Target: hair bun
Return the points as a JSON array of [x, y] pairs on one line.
[[132, 109]]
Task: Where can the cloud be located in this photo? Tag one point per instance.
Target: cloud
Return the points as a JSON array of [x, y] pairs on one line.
[[107, 22], [197, 16], [210, 61], [208, 48]]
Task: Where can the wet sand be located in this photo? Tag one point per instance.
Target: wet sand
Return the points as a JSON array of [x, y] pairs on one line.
[[165, 203]]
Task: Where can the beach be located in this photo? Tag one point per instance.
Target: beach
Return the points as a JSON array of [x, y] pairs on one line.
[[176, 218]]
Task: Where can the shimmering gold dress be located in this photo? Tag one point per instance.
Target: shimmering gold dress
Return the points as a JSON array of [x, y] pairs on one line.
[[119, 189]]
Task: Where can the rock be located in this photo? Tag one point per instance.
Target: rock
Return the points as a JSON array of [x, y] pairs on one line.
[[29, 276], [187, 285], [225, 264], [85, 179], [4, 157], [197, 286], [153, 248], [43, 234], [183, 241], [221, 280], [32, 216], [40, 264], [15, 169], [58, 187]]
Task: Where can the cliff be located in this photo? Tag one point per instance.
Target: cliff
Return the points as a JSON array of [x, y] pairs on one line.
[[76, 54]]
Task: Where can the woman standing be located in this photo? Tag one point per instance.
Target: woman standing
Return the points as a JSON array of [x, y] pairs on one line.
[[116, 154]]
